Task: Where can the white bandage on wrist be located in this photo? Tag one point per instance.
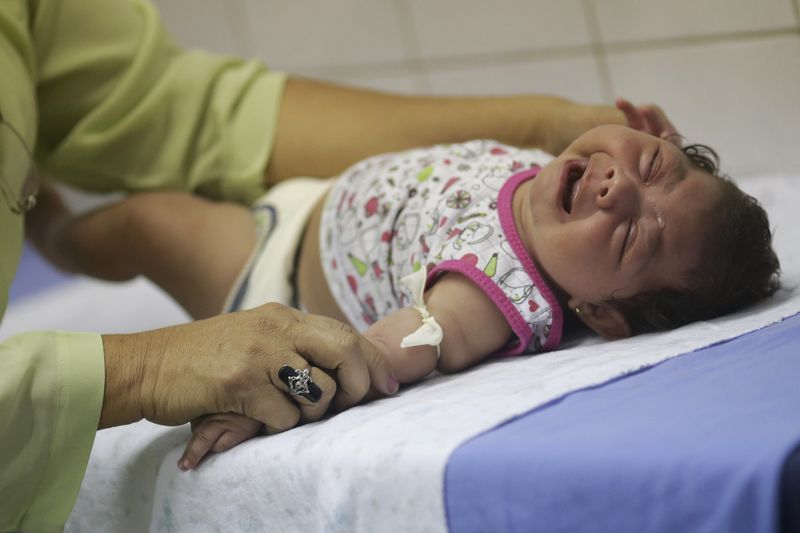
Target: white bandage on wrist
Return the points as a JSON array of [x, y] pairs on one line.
[[430, 332]]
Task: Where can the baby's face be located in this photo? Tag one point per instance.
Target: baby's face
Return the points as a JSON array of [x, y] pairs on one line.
[[619, 213]]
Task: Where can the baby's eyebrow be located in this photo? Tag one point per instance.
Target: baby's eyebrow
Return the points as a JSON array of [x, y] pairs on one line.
[[678, 174]]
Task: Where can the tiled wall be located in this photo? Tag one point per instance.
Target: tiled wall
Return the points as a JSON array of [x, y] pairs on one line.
[[727, 71]]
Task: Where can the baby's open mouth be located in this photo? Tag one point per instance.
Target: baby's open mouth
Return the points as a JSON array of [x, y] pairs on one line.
[[575, 172]]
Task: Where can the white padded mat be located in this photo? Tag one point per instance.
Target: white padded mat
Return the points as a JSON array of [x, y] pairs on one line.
[[377, 467]]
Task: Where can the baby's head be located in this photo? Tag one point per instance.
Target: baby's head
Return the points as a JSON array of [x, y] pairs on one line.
[[639, 234]]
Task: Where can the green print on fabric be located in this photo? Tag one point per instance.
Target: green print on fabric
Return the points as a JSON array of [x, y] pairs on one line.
[[491, 267], [361, 266], [424, 174]]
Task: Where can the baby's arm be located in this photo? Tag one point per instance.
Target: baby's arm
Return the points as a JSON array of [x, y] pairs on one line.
[[473, 328]]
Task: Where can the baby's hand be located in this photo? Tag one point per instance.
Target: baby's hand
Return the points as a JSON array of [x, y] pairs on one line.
[[217, 433], [651, 119]]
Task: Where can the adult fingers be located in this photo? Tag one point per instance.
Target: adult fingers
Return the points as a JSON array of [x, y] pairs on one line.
[[357, 362], [632, 114], [315, 411], [651, 119], [332, 345], [656, 120], [268, 404], [660, 125], [382, 376], [378, 368], [310, 388]]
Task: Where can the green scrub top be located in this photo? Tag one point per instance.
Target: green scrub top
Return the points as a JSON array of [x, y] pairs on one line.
[[107, 102]]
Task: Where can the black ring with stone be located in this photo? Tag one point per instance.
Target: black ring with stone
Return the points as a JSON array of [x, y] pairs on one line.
[[300, 383]]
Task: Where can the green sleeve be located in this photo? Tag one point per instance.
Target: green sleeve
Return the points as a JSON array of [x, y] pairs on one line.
[[51, 393], [121, 107]]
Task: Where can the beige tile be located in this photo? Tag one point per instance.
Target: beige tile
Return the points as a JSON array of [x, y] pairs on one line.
[[462, 27], [571, 77], [741, 98], [322, 33], [206, 24], [633, 20]]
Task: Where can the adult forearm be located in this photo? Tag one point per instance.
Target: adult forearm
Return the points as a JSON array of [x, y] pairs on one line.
[[324, 128]]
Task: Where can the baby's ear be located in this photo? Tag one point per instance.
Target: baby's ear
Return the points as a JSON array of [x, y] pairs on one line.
[[603, 318]]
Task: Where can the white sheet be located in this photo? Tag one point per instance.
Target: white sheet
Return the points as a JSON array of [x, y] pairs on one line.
[[377, 467]]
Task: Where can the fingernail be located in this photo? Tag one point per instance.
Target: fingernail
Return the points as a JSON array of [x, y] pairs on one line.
[[393, 385], [300, 383], [184, 465]]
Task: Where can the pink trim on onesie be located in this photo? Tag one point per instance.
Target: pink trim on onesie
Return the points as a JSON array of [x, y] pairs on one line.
[[512, 235], [515, 320], [518, 324]]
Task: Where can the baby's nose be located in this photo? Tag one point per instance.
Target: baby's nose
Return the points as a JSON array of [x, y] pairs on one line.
[[616, 191]]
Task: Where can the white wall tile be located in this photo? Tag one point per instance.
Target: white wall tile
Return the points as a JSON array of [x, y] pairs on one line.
[[571, 77], [741, 98], [626, 20], [463, 27], [320, 33], [206, 24]]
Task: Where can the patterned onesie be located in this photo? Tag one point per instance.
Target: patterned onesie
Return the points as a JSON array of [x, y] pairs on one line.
[[447, 208]]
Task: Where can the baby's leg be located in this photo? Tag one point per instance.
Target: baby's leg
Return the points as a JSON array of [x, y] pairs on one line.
[[191, 247]]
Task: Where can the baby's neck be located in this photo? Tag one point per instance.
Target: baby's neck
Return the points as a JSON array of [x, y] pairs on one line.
[[523, 221]]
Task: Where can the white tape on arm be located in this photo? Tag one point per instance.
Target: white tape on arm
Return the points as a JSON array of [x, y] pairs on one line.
[[430, 332]]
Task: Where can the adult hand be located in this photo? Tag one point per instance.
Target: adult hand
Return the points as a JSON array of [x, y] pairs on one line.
[[565, 121], [230, 363], [651, 119]]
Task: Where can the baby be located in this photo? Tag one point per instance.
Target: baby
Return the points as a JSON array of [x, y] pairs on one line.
[[624, 230]]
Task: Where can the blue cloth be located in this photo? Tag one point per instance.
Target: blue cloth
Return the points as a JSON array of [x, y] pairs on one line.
[[34, 274], [693, 444]]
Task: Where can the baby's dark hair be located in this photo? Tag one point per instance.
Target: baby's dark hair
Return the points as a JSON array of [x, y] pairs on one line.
[[739, 266]]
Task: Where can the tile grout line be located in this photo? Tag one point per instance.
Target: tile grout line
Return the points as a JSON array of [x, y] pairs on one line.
[[517, 56], [494, 58], [598, 50], [694, 40], [410, 38]]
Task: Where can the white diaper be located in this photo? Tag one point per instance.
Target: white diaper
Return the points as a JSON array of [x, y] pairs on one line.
[[281, 216]]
